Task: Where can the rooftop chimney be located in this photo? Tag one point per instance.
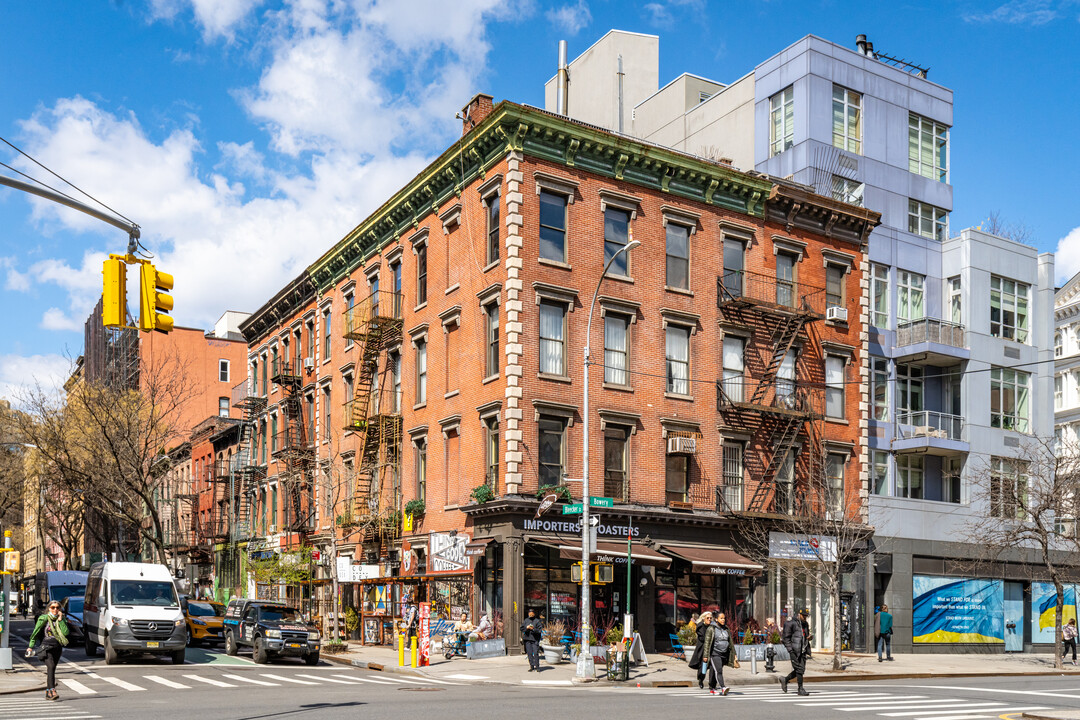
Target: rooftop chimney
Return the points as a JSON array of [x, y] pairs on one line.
[[860, 42], [474, 113], [562, 84]]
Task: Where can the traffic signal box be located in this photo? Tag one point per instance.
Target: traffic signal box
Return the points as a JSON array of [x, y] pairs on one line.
[[154, 303], [603, 573]]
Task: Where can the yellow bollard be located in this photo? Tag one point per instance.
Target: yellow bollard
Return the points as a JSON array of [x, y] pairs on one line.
[[414, 651], [401, 650]]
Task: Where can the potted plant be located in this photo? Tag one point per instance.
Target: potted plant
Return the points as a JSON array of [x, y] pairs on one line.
[[551, 635], [779, 651], [688, 639], [482, 494], [415, 508], [560, 491]]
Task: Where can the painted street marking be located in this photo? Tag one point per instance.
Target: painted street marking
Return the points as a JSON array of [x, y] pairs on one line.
[[287, 679], [328, 679], [459, 676], [394, 678], [118, 682], [369, 680], [253, 681], [952, 713], [546, 682], [209, 681], [167, 683], [78, 687]]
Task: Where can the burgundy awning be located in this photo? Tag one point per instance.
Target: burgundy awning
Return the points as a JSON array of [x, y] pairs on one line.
[[477, 547], [718, 561]]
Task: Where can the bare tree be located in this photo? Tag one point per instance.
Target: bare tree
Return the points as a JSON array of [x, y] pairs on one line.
[[1016, 231], [13, 451], [104, 447], [1026, 511], [817, 529]]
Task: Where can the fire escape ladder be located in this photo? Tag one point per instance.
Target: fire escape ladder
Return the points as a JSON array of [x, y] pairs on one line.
[[783, 338], [781, 442], [248, 473]]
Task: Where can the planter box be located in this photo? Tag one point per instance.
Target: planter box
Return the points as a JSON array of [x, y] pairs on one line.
[[486, 648], [599, 653], [743, 652]]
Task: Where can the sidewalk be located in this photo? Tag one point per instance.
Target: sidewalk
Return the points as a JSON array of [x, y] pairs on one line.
[[666, 671], [20, 680]]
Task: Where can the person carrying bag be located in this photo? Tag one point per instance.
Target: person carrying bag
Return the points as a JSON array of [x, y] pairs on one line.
[[52, 630]]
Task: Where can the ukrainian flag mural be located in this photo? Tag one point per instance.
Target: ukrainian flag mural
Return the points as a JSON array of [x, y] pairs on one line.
[[957, 610], [1044, 598]]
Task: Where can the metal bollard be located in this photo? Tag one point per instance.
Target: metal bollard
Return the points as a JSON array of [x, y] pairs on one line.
[[414, 651], [753, 661], [401, 650]]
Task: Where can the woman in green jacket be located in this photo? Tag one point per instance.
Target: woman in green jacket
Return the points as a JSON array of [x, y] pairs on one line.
[[52, 631]]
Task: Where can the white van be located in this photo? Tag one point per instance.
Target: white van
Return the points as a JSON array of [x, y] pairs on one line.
[[133, 607]]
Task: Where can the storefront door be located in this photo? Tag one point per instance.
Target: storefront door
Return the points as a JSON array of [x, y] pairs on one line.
[[1014, 617]]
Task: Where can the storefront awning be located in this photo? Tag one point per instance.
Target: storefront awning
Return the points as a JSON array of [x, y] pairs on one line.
[[717, 561], [615, 553], [477, 547]]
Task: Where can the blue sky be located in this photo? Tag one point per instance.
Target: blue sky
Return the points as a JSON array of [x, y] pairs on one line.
[[247, 136]]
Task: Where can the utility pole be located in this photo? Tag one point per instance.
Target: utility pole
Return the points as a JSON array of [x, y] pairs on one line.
[[5, 638]]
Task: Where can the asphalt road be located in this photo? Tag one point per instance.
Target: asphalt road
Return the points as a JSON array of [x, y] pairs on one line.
[[213, 685]]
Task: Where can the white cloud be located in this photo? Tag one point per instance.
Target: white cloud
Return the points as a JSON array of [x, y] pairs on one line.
[[19, 373], [57, 319], [14, 280], [1022, 12], [1067, 256], [570, 18], [218, 18]]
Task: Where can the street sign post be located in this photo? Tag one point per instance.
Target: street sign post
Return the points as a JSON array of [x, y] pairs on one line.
[[572, 509], [601, 502]]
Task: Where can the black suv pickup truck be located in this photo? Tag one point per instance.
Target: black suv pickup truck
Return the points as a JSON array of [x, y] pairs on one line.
[[270, 629]]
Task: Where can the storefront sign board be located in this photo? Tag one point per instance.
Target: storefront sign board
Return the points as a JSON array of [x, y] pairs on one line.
[[957, 610], [1044, 610], [424, 634], [446, 553], [795, 546], [570, 527]]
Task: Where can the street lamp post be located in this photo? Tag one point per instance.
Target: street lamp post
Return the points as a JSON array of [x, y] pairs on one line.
[[585, 667]]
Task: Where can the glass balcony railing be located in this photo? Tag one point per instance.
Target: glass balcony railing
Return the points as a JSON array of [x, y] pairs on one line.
[[929, 424], [932, 330]]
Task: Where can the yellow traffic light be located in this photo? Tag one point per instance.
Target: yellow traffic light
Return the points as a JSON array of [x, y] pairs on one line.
[[114, 295], [152, 303]]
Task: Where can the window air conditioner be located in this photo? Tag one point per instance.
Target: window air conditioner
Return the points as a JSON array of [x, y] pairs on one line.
[[839, 314], [309, 364], [681, 446]]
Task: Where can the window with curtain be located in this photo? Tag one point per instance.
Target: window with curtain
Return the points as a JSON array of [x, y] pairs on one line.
[[616, 236], [879, 368], [834, 478], [880, 481], [910, 296], [928, 143], [223, 407], [734, 367], [926, 220], [734, 266], [1009, 401], [879, 293], [421, 372], [847, 119], [785, 375], [394, 361], [781, 121], [909, 388], [421, 275], [616, 349], [834, 285], [677, 351], [784, 496], [909, 476], [491, 212], [785, 279], [552, 451], [616, 443], [677, 478], [553, 338], [678, 256], [834, 386], [553, 226], [1009, 309], [491, 356], [733, 476], [326, 334]]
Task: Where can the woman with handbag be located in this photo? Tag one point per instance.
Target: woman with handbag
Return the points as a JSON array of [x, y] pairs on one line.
[[52, 631]]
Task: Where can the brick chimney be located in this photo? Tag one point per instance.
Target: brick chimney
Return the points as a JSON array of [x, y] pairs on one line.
[[474, 113]]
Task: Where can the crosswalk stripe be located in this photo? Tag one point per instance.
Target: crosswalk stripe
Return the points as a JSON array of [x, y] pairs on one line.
[[396, 679], [327, 679], [58, 717], [898, 704], [437, 682], [884, 700], [253, 681], [209, 681], [167, 683], [287, 679], [370, 680], [979, 717], [78, 687], [123, 684], [999, 709]]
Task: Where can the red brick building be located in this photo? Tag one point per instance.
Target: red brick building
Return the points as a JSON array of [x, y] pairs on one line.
[[434, 356]]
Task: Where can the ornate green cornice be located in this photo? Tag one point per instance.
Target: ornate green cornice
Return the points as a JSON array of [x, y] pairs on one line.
[[286, 303], [556, 139]]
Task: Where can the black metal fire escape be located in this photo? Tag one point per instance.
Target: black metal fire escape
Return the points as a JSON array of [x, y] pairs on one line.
[[294, 449]]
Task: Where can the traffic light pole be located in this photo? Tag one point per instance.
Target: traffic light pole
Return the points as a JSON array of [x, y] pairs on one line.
[[130, 228], [5, 638]]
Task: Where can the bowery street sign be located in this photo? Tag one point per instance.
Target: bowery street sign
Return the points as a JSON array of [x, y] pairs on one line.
[[601, 502]]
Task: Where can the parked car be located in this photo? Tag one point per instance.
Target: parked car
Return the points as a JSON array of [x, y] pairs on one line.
[[204, 621], [133, 608], [72, 608], [270, 629]]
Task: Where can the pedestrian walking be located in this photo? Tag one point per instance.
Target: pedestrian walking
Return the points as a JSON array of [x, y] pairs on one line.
[[1069, 633], [52, 631], [883, 621], [794, 638], [804, 618], [699, 660], [719, 649], [530, 634]]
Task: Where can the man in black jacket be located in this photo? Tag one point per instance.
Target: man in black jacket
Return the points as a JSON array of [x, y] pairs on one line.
[[795, 641], [530, 634]]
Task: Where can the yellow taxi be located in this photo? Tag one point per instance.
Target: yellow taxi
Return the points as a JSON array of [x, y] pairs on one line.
[[204, 621]]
